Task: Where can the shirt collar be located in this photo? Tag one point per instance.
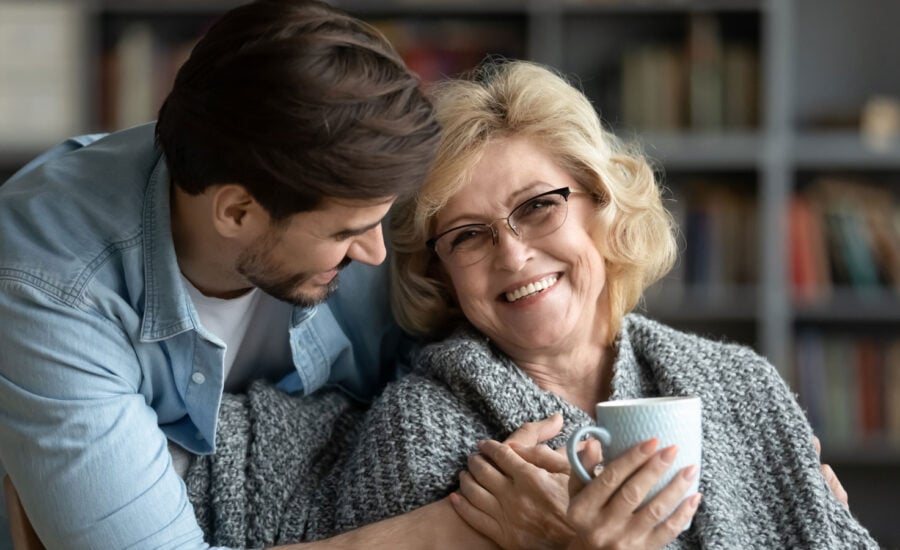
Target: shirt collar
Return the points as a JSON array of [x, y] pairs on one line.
[[166, 311], [168, 307]]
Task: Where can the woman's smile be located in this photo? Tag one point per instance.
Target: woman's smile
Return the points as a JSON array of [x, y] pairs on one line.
[[531, 289]]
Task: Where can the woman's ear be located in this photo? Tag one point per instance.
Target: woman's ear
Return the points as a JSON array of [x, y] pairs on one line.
[[236, 214]]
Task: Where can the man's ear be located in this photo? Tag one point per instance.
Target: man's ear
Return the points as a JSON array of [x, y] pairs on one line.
[[236, 214]]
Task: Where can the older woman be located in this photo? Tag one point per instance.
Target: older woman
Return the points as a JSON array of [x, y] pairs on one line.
[[532, 240]]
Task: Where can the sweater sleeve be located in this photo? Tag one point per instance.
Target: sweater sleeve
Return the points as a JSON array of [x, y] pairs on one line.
[[777, 496], [413, 443]]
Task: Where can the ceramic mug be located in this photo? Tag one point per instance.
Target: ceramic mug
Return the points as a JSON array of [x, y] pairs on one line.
[[628, 422]]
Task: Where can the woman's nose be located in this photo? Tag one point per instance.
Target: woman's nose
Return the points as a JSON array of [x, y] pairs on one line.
[[510, 251]]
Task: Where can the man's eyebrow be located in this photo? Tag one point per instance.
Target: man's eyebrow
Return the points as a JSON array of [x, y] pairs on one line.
[[347, 233]]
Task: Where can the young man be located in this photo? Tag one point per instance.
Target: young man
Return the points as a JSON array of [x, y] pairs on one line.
[[143, 273]]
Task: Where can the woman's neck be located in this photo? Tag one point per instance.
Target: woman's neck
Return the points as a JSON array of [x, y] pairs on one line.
[[582, 376]]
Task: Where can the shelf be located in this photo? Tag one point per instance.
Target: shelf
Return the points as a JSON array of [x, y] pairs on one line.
[[843, 150], [852, 305], [580, 7], [724, 151], [861, 454], [425, 8], [165, 7], [723, 303]]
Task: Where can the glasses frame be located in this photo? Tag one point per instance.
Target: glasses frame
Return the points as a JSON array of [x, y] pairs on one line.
[[564, 192]]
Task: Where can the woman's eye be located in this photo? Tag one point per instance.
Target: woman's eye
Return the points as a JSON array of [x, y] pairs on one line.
[[466, 236], [538, 205]]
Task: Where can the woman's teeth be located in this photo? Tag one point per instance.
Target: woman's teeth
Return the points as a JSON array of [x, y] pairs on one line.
[[531, 288]]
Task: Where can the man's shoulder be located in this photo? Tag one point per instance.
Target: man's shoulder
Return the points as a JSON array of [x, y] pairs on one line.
[[74, 209]]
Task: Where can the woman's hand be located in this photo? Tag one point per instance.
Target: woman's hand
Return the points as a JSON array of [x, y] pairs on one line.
[[515, 492], [607, 512]]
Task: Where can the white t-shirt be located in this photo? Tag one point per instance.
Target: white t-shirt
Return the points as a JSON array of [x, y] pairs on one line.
[[227, 319], [254, 329]]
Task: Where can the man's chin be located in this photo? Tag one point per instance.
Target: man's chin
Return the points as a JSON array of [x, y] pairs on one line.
[[308, 295]]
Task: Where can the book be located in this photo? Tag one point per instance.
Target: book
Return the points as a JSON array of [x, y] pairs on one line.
[[704, 47], [810, 373], [892, 391], [740, 65], [810, 279], [870, 384]]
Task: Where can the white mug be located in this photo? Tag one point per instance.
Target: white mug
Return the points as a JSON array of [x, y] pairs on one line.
[[628, 422]]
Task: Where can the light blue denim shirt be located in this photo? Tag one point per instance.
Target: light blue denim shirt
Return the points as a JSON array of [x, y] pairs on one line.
[[103, 357]]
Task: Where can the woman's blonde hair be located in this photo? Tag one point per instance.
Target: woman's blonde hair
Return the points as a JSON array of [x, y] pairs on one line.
[[633, 231]]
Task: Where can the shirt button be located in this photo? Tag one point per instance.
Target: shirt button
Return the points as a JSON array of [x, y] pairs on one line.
[[198, 378]]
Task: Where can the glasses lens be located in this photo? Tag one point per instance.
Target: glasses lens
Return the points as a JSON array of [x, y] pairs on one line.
[[534, 218], [539, 216], [465, 245]]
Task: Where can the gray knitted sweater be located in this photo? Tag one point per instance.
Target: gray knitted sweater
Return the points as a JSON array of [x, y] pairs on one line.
[[293, 469]]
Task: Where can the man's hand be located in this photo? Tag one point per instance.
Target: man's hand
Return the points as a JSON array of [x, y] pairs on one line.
[[831, 478]]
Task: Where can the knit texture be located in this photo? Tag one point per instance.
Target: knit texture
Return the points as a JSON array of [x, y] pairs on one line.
[[293, 469]]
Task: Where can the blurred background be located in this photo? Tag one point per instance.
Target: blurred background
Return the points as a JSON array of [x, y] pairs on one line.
[[775, 125]]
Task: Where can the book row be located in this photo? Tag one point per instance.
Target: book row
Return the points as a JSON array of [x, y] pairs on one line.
[[843, 233], [850, 388]]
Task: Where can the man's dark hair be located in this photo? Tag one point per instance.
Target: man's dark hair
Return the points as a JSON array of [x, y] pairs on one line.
[[297, 101]]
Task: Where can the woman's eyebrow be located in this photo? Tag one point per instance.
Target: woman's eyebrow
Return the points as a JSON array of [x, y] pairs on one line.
[[515, 199]]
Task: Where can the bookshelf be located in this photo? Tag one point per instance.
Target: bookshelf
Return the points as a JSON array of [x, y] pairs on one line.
[[745, 105]]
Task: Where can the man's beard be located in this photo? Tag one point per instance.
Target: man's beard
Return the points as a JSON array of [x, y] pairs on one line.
[[257, 266]]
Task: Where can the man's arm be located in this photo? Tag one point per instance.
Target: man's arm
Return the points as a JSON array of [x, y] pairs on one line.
[[432, 526], [435, 525], [78, 440]]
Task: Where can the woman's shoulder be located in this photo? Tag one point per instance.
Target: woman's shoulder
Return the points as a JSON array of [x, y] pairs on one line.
[[689, 352], [464, 341]]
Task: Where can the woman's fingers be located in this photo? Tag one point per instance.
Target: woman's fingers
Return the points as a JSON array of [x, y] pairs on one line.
[[494, 465], [661, 506], [478, 496], [533, 433], [544, 457], [668, 530], [632, 492], [597, 493]]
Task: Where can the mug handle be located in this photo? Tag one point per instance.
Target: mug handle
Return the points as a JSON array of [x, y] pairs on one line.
[[600, 433]]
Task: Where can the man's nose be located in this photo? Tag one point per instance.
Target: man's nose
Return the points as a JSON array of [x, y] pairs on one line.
[[368, 248]]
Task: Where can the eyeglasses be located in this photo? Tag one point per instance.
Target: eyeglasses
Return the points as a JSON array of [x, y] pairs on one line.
[[537, 217]]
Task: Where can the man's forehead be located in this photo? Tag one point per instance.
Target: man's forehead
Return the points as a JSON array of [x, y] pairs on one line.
[[329, 203], [341, 215]]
